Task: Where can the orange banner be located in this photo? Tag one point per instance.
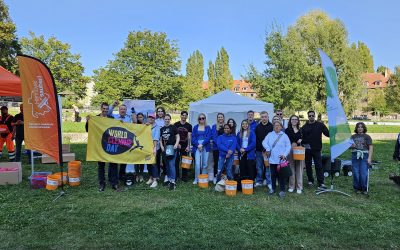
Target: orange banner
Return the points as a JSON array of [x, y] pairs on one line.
[[41, 113]]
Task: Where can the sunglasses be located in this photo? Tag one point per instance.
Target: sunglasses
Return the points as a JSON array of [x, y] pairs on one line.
[[201, 118], [159, 111], [311, 116], [279, 114]]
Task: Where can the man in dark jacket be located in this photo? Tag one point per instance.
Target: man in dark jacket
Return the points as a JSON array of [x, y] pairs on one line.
[[18, 124], [112, 167], [312, 141], [261, 131]]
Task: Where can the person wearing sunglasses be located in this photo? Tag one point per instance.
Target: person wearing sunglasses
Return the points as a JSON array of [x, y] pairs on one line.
[[312, 141], [201, 137], [279, 113]]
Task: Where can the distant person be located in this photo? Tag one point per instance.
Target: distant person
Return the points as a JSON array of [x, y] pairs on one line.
[[6, 133], [153, 169], [18, 124], [160, 114], [231, 122], [361, 157], [217, 130], [185, 135], [112, 167], [246, 146], [201, 138], [169, 144], [226, 146], [277, 146], [312, 141], [139, 168], [263, 128], [279, 113], [250, 119]]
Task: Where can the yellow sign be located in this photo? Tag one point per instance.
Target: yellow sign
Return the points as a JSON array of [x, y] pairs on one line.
[[114, 141]]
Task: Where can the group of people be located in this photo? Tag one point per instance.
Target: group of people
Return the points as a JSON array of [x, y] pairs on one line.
[[12, 128]]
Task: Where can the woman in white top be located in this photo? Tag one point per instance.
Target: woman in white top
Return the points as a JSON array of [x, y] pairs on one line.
[[277, 146]]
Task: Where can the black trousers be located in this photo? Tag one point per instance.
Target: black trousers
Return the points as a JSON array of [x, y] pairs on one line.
[[274, 176], [122, 170], [316, 156], [18, 148], [161, 163], [181, 152], [112, 173], [247, 167], [215, 157]]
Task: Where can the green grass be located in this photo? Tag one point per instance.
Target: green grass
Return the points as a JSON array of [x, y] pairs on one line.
[[73, 127], [194, 218]]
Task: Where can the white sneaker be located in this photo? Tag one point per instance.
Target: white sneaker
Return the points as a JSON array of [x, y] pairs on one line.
[[215, 181], [195, 182], [299, 191], [154, 184], [270, 186], [264, 182], [258, 185], [290, 190], [165, 178], [150, 181]]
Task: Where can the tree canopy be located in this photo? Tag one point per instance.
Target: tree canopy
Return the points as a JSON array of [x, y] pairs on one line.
[[192, 86]]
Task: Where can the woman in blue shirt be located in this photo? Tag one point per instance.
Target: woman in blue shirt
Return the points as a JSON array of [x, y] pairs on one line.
[[226, 146], [201, 137], [246, 145]]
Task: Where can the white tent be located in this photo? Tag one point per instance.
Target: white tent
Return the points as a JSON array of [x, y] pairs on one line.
[[230, 104]]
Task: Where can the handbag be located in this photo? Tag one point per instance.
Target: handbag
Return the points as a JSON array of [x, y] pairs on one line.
[[169, 151], [284, 169]]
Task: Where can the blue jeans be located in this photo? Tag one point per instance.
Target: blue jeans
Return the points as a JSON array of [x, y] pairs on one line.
[[227, 164], [260, 169], [360, 171], [201, 159], [171, 173]]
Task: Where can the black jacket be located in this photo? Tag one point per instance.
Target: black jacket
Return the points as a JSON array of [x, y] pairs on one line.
[[396, 153], [261, 132], [312, 134]]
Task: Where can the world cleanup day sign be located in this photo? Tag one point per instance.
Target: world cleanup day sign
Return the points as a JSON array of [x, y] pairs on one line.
[[114, 141]]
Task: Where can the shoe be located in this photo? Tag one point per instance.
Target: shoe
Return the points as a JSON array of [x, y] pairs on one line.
[[141, 178], [357, 191], [282, 194], [150, 181], [165, 178], [166, 183], [116, 188], [195, 182], [298, 191], [264, 182], [290, 190], [154, 184], [270, 186], [271, 192], [364, 192], [172, 186], [215, 181], [258, 185], [310, 184], [102, 187], [322, 186]]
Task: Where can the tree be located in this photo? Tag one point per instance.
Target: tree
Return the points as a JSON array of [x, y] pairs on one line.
[[381, 69], [294, 78], [366, 57], [211, 77], [145, 68], [223, 77], [377, 102], [65, 66], [393, 93], [9, 47], [192, 87]]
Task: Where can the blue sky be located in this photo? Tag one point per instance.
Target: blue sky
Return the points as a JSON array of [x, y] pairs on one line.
[[97, 28]]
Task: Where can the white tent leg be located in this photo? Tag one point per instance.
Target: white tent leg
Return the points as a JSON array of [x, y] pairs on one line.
[[32, 163]]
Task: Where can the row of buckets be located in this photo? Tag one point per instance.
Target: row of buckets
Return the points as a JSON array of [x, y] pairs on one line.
[[229, 186], [52, 181]]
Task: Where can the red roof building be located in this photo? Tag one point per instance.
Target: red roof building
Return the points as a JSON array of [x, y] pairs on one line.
[[240, 87]]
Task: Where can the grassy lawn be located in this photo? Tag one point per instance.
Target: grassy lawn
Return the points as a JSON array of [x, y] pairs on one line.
[[194, 218]]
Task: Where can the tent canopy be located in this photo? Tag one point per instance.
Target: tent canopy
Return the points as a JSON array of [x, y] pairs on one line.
[[10, 84], [230, 104]]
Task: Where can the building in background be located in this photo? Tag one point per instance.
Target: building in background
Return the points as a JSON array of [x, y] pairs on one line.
[[240, 87]]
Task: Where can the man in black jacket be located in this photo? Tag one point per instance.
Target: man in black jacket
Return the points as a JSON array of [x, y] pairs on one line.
[[312, 141], [112, 167], [261, 131]]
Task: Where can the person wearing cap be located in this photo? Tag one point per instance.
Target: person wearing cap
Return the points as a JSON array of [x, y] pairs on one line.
[[6, 133], [18, 124], [155, 134]]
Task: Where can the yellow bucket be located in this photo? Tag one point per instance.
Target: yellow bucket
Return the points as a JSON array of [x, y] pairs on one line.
[[230, 188], [52, 182], [203, 180], [74, 180], [247, 187], [186, 162], [266, 161], [299, 153], [235, 159]]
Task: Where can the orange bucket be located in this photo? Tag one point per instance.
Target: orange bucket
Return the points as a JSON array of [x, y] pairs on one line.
[[299, 153], [186, 162], [74, 168], [230, 188], [65, 178], [52, 182], [203, 180], [247, 187], [266, 161], [235, 159], [74, 180]]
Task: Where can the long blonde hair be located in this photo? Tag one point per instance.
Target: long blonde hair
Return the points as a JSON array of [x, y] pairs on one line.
[[205, 120]]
